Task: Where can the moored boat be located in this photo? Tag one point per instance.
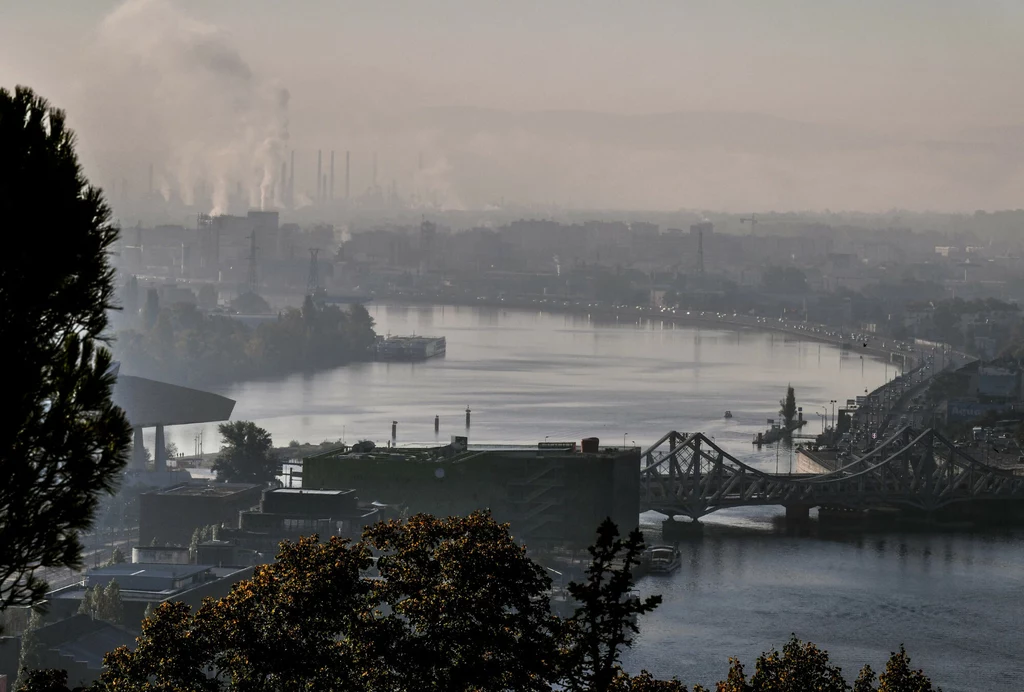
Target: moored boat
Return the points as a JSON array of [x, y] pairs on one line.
[[663, 559]]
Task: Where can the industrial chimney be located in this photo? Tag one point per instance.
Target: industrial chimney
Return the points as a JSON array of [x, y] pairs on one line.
[[319, 172], [330, 193]]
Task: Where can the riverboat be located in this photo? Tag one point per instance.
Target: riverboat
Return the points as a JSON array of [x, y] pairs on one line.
[[728, 414], [410, 348], [663, 559]]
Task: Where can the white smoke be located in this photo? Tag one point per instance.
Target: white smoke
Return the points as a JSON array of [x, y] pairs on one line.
[[215, 127]]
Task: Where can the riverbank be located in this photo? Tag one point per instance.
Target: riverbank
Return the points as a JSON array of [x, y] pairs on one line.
[[905, 354]]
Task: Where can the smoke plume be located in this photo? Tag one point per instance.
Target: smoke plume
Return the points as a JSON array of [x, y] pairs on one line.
[[218, 131]]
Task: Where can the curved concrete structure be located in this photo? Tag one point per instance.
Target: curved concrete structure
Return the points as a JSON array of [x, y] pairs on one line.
[[149, 403]]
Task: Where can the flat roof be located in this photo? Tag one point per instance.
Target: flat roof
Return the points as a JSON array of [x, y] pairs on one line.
[[437, 454], [309, 491], [206, 489], [148, 569]]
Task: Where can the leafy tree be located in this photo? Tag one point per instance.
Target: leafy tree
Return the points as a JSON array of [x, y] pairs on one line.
[[286, 628], [247, 456], [250, 303], [47, 680], [116, 557], [458, 590], [787, 407], [110, 606], [62, 441], [90, 598], [151, 310], [606, 614], [31, 652]]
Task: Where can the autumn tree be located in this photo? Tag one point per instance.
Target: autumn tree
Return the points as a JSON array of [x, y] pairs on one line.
[[247, 456], [462, 592], [288, 627], [62, 441]]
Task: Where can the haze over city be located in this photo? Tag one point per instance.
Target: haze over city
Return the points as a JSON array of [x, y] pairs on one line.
[[653, 106]]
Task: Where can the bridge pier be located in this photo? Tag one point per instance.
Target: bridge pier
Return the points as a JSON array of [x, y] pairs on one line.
[[798, 514], [672, 530]]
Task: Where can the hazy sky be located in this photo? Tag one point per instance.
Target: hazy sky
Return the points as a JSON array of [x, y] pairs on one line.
[[920, 75]]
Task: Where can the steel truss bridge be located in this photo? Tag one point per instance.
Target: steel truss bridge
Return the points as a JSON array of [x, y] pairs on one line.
[[687, 474]]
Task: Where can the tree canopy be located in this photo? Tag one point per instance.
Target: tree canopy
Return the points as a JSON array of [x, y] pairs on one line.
[[180, 343], [247, 456], [62, 442], [787, 407], [431, 604]]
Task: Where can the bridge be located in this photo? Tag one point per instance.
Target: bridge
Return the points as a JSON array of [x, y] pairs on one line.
[[687, 474]]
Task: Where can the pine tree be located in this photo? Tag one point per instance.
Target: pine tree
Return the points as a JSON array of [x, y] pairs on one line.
[[31, 654], [62, 442]]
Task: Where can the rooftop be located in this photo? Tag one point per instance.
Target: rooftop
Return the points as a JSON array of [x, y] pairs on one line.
[[445, 453], [309, 491], [207, 489], [138, 569]]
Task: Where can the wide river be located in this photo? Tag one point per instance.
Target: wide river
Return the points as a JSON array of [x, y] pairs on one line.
[[955, 600]]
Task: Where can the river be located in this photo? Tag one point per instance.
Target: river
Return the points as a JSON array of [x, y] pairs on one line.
[[953, 599]]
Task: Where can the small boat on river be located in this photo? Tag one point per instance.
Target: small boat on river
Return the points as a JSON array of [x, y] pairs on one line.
[[663, 559], [728, 414]]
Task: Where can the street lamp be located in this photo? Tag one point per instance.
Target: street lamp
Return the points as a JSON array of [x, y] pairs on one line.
[[833, 402]]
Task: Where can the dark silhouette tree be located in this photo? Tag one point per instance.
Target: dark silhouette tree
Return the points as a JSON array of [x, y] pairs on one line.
[[247, 456], [787, 407], [62, 441], [30, 655], [606, 614]]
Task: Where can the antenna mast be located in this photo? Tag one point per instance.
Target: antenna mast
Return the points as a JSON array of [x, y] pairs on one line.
[[753, 222], [313, 283]]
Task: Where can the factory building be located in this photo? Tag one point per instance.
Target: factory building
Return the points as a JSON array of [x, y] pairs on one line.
[[170, 516], [550, 493]]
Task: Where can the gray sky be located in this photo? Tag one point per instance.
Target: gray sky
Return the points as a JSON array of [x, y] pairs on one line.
[[909, 103]]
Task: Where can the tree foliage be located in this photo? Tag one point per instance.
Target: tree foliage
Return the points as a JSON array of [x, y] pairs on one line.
[[458, 591], [606, 614], [787, 407], [247, 456], [62, 441], [433, 604], [103, 603], [182, 344]]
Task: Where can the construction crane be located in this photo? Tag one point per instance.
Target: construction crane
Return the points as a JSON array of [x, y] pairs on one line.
[[752, 219]]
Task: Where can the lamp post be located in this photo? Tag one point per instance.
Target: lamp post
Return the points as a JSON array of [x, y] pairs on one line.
[[833, 402]]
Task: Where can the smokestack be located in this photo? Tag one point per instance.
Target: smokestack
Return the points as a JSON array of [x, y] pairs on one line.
[[291, 182], [346, 174], [330, 193], [319, 172], [323, 188], [282, 185]]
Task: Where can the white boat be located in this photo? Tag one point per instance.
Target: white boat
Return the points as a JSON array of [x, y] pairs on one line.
[[663, 559]]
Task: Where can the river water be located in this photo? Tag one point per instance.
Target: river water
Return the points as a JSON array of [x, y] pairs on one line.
[[953, 599]]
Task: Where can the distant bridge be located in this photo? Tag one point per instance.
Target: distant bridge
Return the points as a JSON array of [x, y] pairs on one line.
[[687, 474]]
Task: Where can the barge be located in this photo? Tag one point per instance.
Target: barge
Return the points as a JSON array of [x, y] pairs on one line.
[[410, 348]]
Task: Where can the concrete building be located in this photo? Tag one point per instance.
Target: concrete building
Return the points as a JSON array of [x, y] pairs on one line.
[[549, 493], [170, 515], [76, 644], [289, 513]]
